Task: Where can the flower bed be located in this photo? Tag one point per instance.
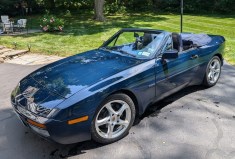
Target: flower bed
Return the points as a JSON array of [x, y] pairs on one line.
[[50, 23]]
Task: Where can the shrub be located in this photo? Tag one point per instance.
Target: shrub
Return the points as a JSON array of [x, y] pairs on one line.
[[50, 23], [115, 8]]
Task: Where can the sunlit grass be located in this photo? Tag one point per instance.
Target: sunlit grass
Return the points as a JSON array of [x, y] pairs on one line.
[[82, 33]]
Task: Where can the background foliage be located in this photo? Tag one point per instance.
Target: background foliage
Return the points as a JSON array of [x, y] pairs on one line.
[[116, 6]]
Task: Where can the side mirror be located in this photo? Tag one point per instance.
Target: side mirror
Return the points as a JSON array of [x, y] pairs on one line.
[[170, 54]]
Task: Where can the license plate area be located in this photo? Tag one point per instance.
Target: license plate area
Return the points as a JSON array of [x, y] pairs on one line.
[[27, 114]]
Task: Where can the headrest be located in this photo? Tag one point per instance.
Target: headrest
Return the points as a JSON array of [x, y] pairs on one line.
[[147, 38]]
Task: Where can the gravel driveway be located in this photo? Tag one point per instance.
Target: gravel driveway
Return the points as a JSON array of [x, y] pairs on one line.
[[194, 123]]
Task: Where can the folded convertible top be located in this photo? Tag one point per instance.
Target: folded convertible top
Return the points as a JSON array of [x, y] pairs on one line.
[[197, 39]]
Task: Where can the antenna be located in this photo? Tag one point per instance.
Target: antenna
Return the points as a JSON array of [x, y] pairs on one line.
[[182, 13]]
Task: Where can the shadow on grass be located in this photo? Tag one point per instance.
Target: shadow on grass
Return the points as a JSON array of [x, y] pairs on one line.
[[84, 25], [216, 16]]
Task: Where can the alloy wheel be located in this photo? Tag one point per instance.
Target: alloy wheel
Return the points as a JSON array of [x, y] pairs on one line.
[[214, 71], [113, 119]]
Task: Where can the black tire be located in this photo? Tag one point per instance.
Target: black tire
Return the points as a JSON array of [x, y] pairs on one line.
[[123, 97], [206, 81]]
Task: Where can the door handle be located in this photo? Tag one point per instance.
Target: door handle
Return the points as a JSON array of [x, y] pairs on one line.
[[194, 57]]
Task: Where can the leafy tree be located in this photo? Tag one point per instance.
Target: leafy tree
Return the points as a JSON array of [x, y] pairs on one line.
[[12, 7]]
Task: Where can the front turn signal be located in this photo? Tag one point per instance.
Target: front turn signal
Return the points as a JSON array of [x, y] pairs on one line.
[[36, 124], [78, 120]]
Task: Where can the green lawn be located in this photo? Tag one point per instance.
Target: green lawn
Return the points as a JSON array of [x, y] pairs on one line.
[[82, 33]]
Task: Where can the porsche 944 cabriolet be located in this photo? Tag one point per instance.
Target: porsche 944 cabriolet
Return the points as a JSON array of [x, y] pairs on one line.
[[99, 93]]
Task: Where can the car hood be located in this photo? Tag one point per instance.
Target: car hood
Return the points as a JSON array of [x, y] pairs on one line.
[[72, 74]]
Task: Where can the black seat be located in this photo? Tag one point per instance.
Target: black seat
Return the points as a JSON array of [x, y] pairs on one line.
[[177, 41], [145, 40], [187, 44]]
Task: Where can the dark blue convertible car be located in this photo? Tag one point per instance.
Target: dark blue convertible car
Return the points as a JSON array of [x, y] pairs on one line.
[[98, 94]]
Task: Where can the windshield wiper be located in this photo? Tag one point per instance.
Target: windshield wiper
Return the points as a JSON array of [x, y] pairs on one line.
[[104, 48], [119, 50], [127, 53]]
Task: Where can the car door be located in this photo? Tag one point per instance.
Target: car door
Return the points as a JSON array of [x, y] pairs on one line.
[[174, 74]]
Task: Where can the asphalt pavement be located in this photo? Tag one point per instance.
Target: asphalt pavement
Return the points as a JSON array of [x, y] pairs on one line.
[[195, 123]]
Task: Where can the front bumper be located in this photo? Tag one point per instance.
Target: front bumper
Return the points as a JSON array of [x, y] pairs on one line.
[[58, 131]]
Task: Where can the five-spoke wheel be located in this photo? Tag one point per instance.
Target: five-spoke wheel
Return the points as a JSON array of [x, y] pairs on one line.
[[213, 71], [113, 119]]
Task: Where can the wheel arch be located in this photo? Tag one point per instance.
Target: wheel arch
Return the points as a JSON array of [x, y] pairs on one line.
[[132, 96], [221, 58]]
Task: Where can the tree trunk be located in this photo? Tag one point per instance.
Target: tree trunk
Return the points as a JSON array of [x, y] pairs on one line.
[[99, 10]]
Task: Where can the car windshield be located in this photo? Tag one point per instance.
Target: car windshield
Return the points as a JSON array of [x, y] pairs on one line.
[[135, 44]]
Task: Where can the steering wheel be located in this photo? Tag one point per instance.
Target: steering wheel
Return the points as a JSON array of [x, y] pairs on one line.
[[138, 43]]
